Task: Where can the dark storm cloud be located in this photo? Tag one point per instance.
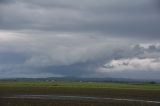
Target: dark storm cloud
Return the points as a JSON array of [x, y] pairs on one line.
[[12, 58], [122, 18], [6, 1], [78, 37], [71, 70], [157, 3]]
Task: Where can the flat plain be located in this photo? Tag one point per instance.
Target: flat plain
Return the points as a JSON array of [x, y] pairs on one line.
[[112, 94]]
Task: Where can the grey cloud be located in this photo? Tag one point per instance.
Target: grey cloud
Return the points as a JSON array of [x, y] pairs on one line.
[[59, 37], [125, 18], [66, 55], [12, 58], [6, 1], [61, 54], [140, 59], [137, 75]]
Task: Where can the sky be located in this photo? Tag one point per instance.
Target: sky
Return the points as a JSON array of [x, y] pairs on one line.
[[80, 38]]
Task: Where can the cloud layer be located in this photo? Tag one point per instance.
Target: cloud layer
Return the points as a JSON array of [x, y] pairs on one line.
[[80, 38]]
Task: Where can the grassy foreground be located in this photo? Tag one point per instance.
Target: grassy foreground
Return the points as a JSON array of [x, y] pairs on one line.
[[96, 89]]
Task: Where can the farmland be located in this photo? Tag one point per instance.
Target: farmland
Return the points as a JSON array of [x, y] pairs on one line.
[[131, 91]]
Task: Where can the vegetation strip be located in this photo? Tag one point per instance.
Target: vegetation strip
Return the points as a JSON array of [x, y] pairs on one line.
[[75, 97]]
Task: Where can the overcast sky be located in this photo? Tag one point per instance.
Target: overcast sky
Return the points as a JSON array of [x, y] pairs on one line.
[[80, 38]]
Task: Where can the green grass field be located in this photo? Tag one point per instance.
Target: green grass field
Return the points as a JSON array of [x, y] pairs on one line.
[[139, 86], [141, 91]]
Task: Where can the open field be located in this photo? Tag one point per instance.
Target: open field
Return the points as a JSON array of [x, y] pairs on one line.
[[143, 86], [143, 91], [39, 102]]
